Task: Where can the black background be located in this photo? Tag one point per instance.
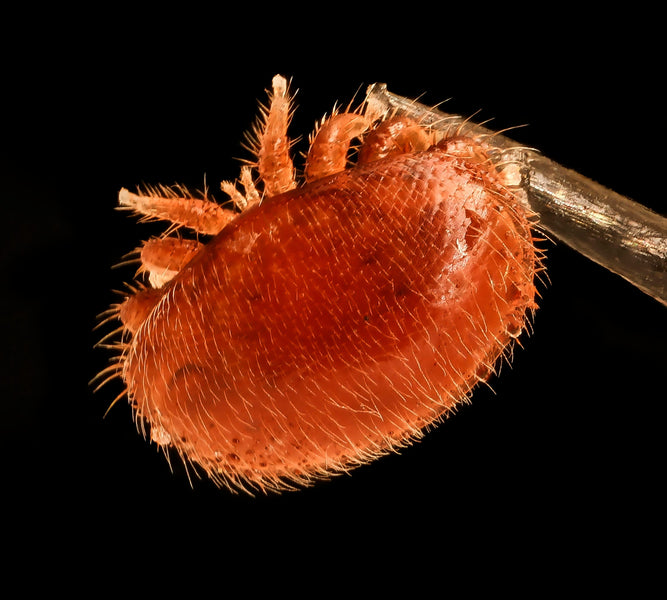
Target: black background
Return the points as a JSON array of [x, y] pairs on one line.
[[567, 454]]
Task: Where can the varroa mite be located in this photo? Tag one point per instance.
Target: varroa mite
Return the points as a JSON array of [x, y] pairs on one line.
[[324, 323]]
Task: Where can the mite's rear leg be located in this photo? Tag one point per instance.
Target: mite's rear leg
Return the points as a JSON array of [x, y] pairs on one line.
[[395, 135], [507, 174], [331, 141], [330, 144]]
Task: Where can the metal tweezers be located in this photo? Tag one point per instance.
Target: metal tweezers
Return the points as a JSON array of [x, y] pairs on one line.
[[618, 233]]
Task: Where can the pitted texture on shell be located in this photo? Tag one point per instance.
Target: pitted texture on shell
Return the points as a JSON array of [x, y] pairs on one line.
[[333, 322]]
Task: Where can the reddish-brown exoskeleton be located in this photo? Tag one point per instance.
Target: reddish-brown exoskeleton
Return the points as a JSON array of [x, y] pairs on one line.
[[328, 322]]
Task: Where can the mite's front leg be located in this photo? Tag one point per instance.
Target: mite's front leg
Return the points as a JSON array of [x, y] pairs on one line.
[[250, 195], [163, 258], [203, 216], [272, 145]]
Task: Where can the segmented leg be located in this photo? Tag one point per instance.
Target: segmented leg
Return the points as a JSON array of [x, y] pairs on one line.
[[508, 175], [329, 147], [250, 196], [135, 308], [396, 135], [203, 216], [163, 258], [272, 145]]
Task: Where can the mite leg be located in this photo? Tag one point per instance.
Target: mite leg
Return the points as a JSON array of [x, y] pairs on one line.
[[507, 174], [203, 216], [396, 135], [271, 144], [245, 200], [330, 144], [136, 308], [464, 147], [163, 258]]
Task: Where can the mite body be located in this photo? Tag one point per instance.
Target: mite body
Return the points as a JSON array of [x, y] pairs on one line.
[[328, 323]]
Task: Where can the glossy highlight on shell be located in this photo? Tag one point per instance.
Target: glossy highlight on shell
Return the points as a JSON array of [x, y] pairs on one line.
[[323, 324]]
